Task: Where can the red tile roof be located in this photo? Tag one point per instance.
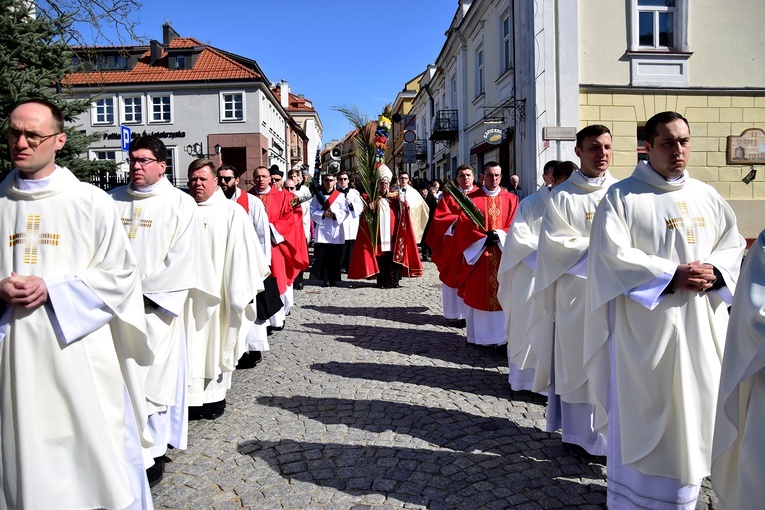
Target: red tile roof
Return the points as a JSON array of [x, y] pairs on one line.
[[296, 103], [211, 65]]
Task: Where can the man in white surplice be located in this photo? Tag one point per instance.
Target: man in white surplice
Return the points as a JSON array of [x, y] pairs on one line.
[[329, 210], [73, 347], [516, 282], [667, 253], [256, 338], [159, 220], [559, 293], [237, 269]]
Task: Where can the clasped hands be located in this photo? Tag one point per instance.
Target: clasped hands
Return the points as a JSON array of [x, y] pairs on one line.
[[23, 291], [694, 277]]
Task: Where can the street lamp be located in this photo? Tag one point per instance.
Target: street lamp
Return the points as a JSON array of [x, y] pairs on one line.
[[196, 150]]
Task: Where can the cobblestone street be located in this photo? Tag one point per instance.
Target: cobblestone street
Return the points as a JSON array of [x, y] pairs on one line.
[[367, 400]]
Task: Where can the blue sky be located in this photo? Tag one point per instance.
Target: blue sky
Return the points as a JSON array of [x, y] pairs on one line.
[[343, 52]]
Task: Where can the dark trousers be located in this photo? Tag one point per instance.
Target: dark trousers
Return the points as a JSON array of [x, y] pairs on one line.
[[347, 250], [329, 258], [390, 272]]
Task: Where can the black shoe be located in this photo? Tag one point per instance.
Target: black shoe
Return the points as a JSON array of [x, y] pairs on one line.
[[257, 356], [155, 473], [246, 361], [217, 409], [325, 283], [269, 330], [299, 286]]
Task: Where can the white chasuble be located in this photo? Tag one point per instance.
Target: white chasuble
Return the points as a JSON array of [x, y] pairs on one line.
[[559, 286], [237, 265], [667, 349], [163, 234], [738, 451], [419, 212], [516, 277], [63, 423]]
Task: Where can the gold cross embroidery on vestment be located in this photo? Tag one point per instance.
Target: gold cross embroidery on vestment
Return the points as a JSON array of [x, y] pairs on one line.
[[685, 220], [136, 222], [32, 238]]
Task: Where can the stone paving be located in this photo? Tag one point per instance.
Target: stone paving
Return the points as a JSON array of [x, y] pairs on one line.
[[368, 400]]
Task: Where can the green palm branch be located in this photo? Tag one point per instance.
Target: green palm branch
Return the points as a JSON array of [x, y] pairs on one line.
[[467, 205], [364, 145]]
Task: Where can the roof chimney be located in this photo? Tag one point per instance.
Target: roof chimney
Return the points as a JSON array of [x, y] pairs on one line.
[[285, 93], [168, 34], [155, 51]]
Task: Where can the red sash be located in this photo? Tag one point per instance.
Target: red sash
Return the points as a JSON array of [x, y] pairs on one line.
[[242, 200], [331, 200]]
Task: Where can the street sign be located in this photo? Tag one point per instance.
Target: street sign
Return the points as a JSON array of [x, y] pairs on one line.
[[410, 136], [127, 135], [558, 133], [410, 153], [410, 122]]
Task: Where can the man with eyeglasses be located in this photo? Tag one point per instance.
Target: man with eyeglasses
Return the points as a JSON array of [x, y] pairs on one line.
[[73, 346], [159, 220], [289, 254], [228, 181], [236, 267], [351, 224], [328, 211], [277, 177]]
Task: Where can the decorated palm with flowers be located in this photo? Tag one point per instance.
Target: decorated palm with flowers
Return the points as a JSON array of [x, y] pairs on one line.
[[371, 144], [382, 134]]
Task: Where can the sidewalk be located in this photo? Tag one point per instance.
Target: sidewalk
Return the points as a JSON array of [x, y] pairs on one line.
[[367, 400]]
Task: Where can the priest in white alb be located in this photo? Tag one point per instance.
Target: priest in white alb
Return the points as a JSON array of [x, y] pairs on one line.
[[256, 338], [73, 347], [159, 220], [667, 253], [738, 449], [515, 279], [237, 268], [559, 288]]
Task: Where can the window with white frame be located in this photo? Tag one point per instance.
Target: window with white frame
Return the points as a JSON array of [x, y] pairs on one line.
[[659, 25], [170, 168], [656, 23], [506, 50], [479, 72], [102, 111], [161, 108], [453, 92], [231, 106], [658, 49], [132, 109], [104, 155]]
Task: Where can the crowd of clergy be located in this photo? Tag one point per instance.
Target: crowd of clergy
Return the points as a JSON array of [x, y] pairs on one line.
[[123, 315]]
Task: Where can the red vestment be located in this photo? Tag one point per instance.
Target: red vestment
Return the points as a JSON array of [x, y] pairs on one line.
[[403, 244], [445, 257], [478, 282], [289, 257]]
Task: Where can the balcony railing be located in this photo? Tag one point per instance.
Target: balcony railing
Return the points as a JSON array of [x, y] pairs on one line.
[[421, 149], [445, 126]]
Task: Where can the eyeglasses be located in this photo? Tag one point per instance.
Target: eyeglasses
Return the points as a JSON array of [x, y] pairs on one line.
[[226, 178], [276, 179], [140, 161], [33, 139], [327, 180], [289, 188]]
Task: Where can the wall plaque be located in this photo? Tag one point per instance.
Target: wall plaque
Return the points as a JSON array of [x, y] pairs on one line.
[[748, 148]]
